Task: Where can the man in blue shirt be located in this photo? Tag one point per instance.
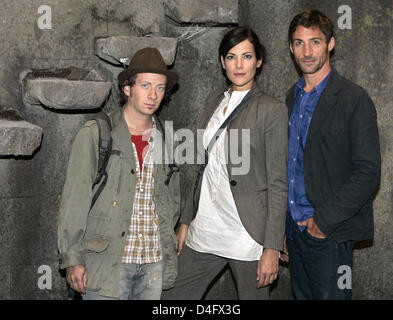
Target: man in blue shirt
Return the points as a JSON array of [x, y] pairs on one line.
[[305, 102], [333, 165]]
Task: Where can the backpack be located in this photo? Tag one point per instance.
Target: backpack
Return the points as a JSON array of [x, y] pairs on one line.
[[105, 150]]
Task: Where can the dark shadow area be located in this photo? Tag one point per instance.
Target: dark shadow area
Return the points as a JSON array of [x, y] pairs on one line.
[[218, 277]]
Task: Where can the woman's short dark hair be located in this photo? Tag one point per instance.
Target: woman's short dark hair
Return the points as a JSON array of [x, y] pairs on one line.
[[312, 18], [234, 36]]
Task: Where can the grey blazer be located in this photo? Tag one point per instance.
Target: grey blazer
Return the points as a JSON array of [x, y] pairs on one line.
[[260, 193]]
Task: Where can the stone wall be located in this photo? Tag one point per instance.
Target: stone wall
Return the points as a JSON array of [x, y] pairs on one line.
[[31, 184]]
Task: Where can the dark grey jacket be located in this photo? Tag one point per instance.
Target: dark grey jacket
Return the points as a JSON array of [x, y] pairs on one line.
[[261, 194], [342, 162]]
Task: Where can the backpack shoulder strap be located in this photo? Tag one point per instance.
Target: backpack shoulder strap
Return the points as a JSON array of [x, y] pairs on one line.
[[173, 167], [104, 151]]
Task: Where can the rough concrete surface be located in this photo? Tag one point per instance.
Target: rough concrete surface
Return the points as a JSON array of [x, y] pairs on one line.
[[119, 50], [205, 11]]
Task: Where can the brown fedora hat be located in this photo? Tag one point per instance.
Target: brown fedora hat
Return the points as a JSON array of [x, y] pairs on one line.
[[148, 60]]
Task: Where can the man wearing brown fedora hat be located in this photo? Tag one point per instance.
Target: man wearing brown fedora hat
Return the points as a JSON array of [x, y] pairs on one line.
[[123, 246]]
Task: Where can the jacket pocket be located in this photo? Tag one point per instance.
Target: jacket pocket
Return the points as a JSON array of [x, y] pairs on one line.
[[308, 235], [96, 244], [96, 251], [98, 226]]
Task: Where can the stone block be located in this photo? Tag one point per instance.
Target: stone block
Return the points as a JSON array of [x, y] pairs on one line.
[[219, 12], [119, 50], [136, 17], [65, 89], [17, 137]]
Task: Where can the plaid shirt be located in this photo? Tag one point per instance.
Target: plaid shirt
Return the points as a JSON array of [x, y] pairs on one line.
[[143, 238]]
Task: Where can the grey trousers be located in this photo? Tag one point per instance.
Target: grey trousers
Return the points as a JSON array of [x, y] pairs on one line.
[[197, 270]]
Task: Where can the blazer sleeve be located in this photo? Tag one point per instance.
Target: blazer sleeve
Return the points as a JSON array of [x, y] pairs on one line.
[[77, 196], [276, 148], [365, 168]]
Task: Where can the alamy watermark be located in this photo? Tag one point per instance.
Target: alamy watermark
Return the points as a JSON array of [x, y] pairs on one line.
[[45, 280], [184, 147], [345, 20], [345, 280], [45, 20]]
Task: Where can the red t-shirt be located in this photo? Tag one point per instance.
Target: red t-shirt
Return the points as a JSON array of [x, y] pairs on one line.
[[140, 145]]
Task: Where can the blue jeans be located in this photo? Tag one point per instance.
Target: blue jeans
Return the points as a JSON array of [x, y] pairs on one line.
[[315, 266], [137, 282]]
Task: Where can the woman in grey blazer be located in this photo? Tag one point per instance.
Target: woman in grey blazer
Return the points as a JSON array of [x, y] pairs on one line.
[[236, 214]]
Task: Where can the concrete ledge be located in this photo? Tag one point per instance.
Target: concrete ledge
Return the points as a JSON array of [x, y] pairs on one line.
[[203, 11], [119, 50], [65, 89], [17, 137]]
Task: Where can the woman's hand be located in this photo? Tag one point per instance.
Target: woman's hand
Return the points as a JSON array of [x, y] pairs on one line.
[[267, 270], [181, 237]]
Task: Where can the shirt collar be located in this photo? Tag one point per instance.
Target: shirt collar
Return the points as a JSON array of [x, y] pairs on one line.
[[236, 92], [319, 88]]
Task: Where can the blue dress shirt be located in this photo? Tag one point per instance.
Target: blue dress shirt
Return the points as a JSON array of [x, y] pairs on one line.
[[299, 208]]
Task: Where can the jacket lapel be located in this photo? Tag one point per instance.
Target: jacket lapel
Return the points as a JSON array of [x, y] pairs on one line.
[[122, 137], [327, 100], [210, 109], [212, 106]]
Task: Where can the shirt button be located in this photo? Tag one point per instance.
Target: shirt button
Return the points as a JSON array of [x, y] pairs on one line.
[[301, 116], [141, 190], [140, 213], [114, 203], [291, 201], [292, 180], [294, 159], [140, 235], [132, 171], [297, 138]]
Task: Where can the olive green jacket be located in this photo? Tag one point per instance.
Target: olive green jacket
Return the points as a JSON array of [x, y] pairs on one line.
[[96, 237]]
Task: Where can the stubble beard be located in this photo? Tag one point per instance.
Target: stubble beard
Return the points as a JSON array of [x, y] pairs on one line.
[[314, 68]]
